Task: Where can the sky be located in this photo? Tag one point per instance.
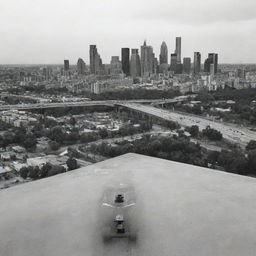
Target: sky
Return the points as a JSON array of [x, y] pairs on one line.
[[49, 31]]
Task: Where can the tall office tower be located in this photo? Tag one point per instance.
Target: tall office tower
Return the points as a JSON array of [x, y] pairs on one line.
[[178, 49], [135, 66], [80, 66], [115, 66], [212, 59], [155, 65], [197, 62], [47, 73], [212, 69], [66, 65], [98, 66], [173, 62], [187, 65], [147, 60], [93, 53], [163, 57], [126, 61], [241, 73]]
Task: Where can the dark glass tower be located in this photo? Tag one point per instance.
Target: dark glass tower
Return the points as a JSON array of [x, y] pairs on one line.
[[126, 61]]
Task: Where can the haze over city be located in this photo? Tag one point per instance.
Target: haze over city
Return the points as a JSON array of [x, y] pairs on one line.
[[47, 32]]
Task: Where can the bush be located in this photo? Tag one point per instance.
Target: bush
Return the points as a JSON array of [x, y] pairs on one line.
[[251, 145], [212, 134]]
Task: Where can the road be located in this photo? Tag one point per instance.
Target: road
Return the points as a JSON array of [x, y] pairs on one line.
[[229, 131], [88, 103]]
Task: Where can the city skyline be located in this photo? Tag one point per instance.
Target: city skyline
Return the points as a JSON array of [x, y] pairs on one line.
[[46, 32]]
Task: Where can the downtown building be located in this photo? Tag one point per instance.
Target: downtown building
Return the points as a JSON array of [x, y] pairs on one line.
[[148, 62], [187, 65], [81, 67], [96, 66], [197, 62], [163, 58], [135, 65], [178, 49], [115, 66], [125, 59], [211, 63]]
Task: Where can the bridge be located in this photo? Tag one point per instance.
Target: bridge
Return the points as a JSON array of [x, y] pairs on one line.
[[231, 132], [110, 103]]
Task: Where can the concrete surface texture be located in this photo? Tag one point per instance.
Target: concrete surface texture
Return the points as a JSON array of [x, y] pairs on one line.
[[180, 210]]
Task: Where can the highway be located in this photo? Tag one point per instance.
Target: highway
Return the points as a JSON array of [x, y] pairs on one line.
[[87, 103], [229, 131]]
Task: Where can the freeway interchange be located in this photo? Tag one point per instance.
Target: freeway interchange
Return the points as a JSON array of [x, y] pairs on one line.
[[231, 132]]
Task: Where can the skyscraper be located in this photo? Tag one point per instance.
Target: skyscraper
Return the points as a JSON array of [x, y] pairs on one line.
[[126, 61], [163, 57], [66, 65], [212, 59], [93, 53], [115, 66], [135, 66], [96, 66], [173, 62], [187, 65], [80, 66], [147, 60], [178, 49], [197, 62]]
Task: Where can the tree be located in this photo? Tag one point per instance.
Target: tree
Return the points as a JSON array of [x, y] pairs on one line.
[[57, 134], [252, 162], [24, 172], [72, 121], [212, 134], [72, 164], [103, 133], [30, 143], [194, 130], [33, 172], [56, 169], [54, 145], [45, 169], [251, 145]]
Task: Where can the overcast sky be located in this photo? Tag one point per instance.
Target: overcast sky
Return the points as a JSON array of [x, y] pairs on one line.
[[48, 31]]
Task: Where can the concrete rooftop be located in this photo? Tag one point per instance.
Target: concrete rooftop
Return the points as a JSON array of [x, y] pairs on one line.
[[181, 210]]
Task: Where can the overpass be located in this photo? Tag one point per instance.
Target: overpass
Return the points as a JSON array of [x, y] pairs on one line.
[[90, 103], [231, 132]]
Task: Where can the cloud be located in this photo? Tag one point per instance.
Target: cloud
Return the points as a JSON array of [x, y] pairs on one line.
[[197, 12]]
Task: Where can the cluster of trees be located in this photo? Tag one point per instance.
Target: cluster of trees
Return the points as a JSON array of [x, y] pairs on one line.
[[212, 134], [47, 170], [235, 160], [59, 137], [172, 148], [208, 132], [19, 136], [241, 111], [130, 94], [180, 149]]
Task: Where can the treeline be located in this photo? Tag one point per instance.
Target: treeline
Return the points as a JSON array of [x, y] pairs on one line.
[[180, 149], [47, 170], [132, 94], [242, 111], [172, 148], [18, 136]]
